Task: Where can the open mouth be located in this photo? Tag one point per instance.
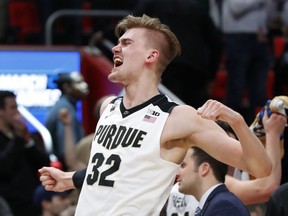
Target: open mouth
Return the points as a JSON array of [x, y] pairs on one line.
[[118, 62]]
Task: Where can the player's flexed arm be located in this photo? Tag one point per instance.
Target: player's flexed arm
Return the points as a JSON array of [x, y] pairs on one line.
[[253, 153], [197, 129]]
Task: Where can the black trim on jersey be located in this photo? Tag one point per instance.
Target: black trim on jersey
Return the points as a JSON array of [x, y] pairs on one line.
[[78, 178], [164, 104], [113, 101], [159, 100]]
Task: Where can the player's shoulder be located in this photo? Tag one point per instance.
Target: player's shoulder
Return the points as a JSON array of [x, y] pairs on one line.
[[182, 118], [184, 110]]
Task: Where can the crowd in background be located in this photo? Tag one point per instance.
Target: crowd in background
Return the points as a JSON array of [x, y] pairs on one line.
[[239, 37]]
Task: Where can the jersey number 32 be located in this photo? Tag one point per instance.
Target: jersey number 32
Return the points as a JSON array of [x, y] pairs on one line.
[[101, 177]]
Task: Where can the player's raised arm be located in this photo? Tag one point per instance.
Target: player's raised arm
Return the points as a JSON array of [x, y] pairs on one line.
[[257, 162]]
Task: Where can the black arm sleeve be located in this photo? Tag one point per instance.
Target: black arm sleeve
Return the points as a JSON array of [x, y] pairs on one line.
[[78, 178]]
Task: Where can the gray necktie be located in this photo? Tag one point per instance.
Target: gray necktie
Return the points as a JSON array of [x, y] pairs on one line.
[[198, 211]]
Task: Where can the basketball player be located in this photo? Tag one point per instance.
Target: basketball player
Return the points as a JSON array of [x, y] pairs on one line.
[[142, 137]]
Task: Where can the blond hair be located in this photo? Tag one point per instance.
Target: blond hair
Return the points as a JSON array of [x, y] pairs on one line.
[[164, 38]]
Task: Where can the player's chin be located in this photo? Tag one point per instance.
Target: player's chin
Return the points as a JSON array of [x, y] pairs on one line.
[[114, 77], [114, 70]]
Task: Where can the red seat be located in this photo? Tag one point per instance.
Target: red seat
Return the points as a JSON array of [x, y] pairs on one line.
[[219, 88], [23, 16], [87, 20], [279, 46]]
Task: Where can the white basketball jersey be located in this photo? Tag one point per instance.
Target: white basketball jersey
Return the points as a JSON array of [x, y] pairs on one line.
[[125, 174]]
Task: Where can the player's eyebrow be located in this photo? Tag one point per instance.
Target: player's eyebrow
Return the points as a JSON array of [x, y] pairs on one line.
[[124, 40]]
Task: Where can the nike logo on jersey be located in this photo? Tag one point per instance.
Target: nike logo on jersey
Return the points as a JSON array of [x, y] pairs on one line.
[[111, 110]]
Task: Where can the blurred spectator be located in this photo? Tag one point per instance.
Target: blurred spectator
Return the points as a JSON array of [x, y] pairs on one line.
[[3, 20], [67, 29], [247, 55], [71, 160], [191, 75], [284, 13], [77, 156], [281, 55], [52, 203], [20, 158], [73, 89]]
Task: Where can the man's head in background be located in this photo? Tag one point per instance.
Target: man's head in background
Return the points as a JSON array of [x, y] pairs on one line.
[[50, 201], [72, 85]]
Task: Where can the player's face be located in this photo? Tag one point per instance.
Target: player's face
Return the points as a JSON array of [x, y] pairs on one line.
[[129, 56], [188, 175]]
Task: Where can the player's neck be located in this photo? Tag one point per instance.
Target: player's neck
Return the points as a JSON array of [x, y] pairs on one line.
[[139, 92], [134, 99]]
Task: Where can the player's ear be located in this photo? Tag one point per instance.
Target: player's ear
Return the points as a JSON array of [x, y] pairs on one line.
[[153, 56]]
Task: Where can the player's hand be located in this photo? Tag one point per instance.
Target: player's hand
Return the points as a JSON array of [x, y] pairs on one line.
[[214, 110], [54, 179]]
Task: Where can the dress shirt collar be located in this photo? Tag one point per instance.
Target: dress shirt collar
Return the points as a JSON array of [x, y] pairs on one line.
[[206, 194]]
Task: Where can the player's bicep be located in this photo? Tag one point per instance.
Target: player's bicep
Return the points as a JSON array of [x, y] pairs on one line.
[[215, 141]]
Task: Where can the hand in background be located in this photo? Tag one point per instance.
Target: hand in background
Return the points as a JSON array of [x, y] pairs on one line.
[[274, 124], [20, 127]]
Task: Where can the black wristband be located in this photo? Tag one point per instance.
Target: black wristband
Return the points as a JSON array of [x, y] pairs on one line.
[[78, 178]]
